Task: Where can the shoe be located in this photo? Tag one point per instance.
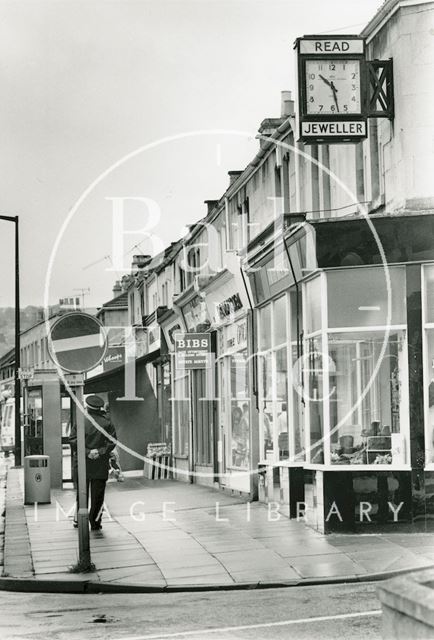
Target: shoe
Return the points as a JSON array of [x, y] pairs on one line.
[[75, 524], [96, 527]]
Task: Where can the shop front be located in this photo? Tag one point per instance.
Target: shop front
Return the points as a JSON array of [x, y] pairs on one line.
[[43, 429], [237, 433], [355, 370], [368, 376], [194, 410], [278, 312], [173, 401], [131, 392]]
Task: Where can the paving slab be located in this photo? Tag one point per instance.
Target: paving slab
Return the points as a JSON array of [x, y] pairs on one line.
[[195, 549]]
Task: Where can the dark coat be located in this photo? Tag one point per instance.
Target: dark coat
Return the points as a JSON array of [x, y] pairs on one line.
[[94, 439]]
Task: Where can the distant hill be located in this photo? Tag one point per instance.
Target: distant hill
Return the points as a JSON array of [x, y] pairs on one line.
[[28, 317]]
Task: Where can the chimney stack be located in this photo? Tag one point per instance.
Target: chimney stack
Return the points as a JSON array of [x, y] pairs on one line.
[[140, 261], [117, 289], [287, 104], [233, 175], [210, 204]]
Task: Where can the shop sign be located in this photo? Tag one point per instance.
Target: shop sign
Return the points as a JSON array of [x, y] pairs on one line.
[[153, 338], [196, 314], [115, 357], [235, 337], [229, 306], [192, 350], [170, 330], [141, 342], [332, 89], [26, 374]]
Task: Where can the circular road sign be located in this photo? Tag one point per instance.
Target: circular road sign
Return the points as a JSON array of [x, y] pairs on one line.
[[77, 342]]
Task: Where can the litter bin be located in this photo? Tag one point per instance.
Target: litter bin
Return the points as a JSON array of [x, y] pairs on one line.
[[37, 479]]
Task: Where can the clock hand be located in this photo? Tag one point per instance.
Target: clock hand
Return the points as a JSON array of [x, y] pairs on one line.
[[325, 80], [335, 98]]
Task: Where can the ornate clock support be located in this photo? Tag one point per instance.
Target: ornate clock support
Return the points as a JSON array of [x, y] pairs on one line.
[[380, 97]]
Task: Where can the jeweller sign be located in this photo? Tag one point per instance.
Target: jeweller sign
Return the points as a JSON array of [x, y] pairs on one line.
[[332, 89]]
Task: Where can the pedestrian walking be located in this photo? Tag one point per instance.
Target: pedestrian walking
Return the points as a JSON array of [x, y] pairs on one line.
[[98, 450]]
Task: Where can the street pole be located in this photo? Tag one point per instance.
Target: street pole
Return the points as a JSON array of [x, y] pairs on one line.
[[18, 451], [82, 514]]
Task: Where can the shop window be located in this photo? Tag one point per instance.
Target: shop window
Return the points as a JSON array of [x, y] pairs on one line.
[[166, 408], [265, 328], [315, 369], [297, 406], [275, 437], [368, 407], [33, 431], [281, 356], [358, 297], [266, 408], [279, 321], [181, 402], [313, 304], [428, 319], [240, 410], [429, 293]]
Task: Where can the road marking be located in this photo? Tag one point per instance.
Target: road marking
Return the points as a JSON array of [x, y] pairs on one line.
[[261, 625]]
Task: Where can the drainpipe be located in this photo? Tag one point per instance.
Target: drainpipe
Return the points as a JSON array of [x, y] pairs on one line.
[[253, 341], [297, 301]]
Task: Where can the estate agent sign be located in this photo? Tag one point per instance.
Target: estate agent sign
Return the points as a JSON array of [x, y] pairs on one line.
[[192, 350]]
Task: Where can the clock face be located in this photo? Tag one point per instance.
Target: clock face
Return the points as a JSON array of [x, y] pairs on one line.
[[333, 87]]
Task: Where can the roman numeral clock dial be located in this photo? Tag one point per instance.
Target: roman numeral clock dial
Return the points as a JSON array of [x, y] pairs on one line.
[[333, 87]]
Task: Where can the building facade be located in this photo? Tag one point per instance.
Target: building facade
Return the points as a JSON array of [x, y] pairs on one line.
[[313, 274]]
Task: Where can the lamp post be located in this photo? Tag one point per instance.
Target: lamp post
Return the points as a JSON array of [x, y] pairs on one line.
[[14, 219]]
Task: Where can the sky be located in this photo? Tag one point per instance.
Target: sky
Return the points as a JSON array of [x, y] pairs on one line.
[[87, 83]]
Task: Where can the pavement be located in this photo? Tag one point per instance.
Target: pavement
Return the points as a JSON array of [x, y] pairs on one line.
[[164, 535]]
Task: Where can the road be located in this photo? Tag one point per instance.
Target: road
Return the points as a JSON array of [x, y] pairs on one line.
[[323, 612]]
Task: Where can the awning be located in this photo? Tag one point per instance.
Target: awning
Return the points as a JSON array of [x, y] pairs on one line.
[[114, 379]]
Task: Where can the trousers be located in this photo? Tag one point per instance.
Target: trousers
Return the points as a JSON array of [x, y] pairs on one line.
[[96, 488], [97, 492]]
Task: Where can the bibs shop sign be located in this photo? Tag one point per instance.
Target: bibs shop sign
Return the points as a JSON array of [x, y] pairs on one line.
[[192, 350]]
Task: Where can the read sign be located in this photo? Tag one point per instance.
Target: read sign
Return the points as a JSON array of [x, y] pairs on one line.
[[192, 350], [332, 45], [332, 89]]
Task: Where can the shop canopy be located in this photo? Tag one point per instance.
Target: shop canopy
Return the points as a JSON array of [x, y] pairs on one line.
[[114, 379]]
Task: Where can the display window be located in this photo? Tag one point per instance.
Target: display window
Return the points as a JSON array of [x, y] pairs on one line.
[[234, 395], [428, 349], [181, 413], [355, 369], [34, 429], [366, 408], [279, 401], [240, 410]]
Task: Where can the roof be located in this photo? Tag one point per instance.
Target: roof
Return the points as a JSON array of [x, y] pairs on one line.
[[384, 12], [120, 301], [7, 358]]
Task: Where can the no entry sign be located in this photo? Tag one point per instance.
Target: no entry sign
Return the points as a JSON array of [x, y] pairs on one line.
[[77, 342]]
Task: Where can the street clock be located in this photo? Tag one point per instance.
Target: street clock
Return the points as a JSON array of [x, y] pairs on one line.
[[332, 89]]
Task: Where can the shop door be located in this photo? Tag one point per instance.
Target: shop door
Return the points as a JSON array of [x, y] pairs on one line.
[[33, 431], [67, 417], [203, 425], [223, 420]]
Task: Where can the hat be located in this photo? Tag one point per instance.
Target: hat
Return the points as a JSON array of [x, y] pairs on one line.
[[94, 402]]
